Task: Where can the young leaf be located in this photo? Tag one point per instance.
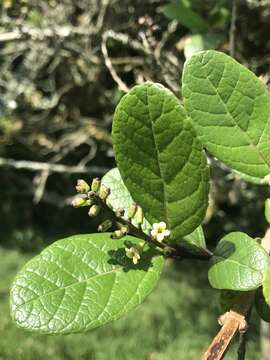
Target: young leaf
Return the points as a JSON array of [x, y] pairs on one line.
[[230, 109], [262, 308], [160, 159], [182, 12], [238, 263], [195, 241], [266, 286], [119, 196], [80, 283]]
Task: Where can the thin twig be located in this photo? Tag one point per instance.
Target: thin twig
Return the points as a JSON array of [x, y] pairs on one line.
[[241, 352], [177, 252], [50, 167], [122, 86]]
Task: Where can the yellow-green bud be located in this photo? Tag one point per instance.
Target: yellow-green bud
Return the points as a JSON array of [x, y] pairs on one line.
[[79, 201], [139, 216], [95, 184], [117, 234], [131, 210], [124, 230], [104, 192], [105, 226], [94, 210], [82, 186], [267, 210]]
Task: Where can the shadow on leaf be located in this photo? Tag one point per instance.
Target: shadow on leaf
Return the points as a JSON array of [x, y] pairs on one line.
[[118, 257]]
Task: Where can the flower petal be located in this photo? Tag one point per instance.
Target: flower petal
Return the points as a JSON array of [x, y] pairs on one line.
[[162, 225], [166, 232], [155, 226], [160, 237]]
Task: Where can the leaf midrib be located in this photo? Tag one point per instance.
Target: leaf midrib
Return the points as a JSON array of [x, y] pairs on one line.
[[235, 262], [70, 285], [165, 200]]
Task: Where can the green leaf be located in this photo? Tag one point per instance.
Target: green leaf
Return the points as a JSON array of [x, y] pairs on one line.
[[184, 14], [238, 263], [262, 308], [120, 196], [266, 286], [195, 241], [80, 283], [230, 109], [160, 159], [250, 179]]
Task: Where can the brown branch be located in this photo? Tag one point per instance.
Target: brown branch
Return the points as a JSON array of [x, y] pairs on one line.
[[233, 320]]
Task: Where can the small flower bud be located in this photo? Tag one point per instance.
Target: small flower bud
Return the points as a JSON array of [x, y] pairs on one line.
[[117, 234], [104, 192], [79, 201], [82, 186], [124, 230], [266, 179], [267, 210], [120, 212], [131, 210], [139, 216], [105, 226], [94, 210], [95, 184]]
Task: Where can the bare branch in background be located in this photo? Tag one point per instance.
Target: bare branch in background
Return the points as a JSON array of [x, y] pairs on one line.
[[50, 167]]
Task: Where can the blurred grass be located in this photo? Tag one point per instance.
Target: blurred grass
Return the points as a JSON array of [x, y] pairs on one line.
[[177, 321]]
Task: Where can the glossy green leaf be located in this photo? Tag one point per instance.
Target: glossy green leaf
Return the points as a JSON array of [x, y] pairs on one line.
[[230, 109], [120, 196], [238, 263], [266, 286], [195, 242], [80, 283], [262, 308], [160, 159]]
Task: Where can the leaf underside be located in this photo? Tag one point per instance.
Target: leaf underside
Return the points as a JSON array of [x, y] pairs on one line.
[[160, 159], [121, 198], [80, 283], [230, 109], [238, 263]]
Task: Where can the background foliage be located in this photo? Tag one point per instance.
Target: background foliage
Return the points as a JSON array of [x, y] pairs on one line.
[[63, 68]]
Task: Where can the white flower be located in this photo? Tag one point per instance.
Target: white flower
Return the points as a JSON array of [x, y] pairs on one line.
[[159, 231], [133, 253]]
